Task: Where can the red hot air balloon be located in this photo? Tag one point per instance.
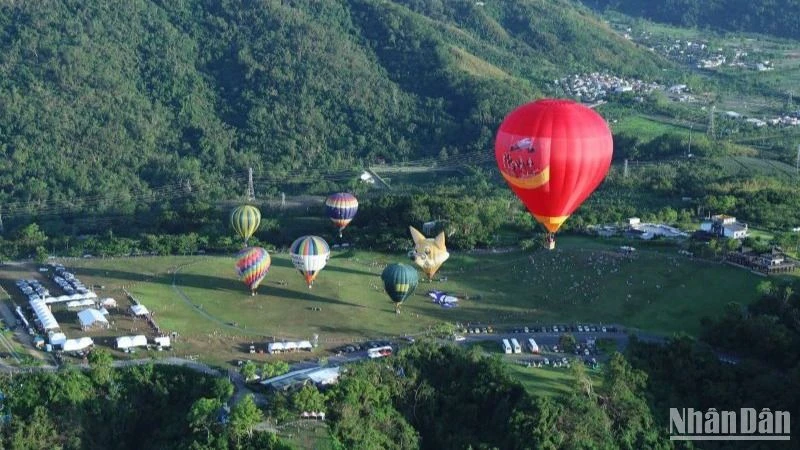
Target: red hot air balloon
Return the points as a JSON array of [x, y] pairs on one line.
[[553, 153]]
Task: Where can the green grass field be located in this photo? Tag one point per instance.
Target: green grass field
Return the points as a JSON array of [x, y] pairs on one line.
[[547, 380], [645, 128], [583, 280]]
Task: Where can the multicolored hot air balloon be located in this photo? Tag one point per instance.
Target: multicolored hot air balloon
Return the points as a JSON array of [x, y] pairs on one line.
[[399, 281], [309, 256], [341, 209], [252, 265], [245, 220], [553, 153]]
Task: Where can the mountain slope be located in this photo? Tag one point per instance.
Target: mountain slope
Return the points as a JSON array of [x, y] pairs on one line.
[[106, 104]]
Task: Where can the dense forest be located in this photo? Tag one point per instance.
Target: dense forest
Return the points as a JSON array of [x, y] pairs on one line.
[[120, 111], [776, 17], [141, 407]]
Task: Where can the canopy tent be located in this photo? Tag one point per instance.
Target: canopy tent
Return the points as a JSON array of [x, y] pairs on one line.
[[304, 345], [290, 346], [124, 342], [74, 345], [67, 298], [92, 317], [275, 347], [139, 310], [108, 302], [44, 315], [163, 341]]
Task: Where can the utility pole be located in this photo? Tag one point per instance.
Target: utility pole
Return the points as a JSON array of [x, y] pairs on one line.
[[625, 169], [283, 199], [796, 172], [791, 93], [250, 194], [689, 151], [1, 221]]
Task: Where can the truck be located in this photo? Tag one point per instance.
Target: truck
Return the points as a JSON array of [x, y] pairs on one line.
[[506, 346]]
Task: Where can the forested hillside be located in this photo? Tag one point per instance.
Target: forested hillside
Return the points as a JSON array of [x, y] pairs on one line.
[[776, 17], [105, 109]]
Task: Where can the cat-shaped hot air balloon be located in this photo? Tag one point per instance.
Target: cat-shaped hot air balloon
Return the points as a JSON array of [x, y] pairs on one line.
[[429, 253]]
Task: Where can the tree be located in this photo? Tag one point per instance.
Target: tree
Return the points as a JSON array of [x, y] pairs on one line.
[[567, 342], [274, 368], [102, 366], [37, 432], [308, 398], [244, 416], [202, 415], [248, 370]]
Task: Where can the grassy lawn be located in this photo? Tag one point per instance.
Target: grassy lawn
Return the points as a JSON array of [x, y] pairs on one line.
[[644, 128], [582, 280], [547, 380]]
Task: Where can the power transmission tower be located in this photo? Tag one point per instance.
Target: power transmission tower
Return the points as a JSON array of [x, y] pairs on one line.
[[711, 122], [250, 194], [625, 169]]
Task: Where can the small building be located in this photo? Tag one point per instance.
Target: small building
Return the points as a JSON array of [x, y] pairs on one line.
[[772, 262], [57, 339], [92, 318], [163, 341], [633, 221], [725, 226]]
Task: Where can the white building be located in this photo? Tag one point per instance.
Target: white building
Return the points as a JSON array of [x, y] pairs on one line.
[[725, 226]]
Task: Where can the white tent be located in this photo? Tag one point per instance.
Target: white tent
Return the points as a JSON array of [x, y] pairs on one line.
[[74, 345], [162, 341], [66, 298], [104, 311], [45, 316], [139, 310], [108, 302], [92, 317], [290, 346], [304, 345], [80, 303], [276, 347], [57, 338], [124, 342]]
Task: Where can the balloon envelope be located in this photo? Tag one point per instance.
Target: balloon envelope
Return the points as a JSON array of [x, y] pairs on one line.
[[252, 265], [309, 256], [399, 281], [245, 221], [341, 208], [553, 154]]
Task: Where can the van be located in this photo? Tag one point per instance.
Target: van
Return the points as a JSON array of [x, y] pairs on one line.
[[515, 345], [506, 346]]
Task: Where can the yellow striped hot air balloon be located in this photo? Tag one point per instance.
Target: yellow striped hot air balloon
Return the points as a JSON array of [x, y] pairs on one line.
[[245, 220]]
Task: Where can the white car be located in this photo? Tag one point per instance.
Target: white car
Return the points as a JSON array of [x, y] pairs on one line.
[[458, 338]]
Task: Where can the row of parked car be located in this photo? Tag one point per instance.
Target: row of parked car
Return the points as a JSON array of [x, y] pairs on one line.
[[567, 328], [67, 281], [33, 289], [361, 347]]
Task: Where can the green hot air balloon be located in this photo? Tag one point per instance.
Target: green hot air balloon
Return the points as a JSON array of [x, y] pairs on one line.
[[245, 220], [399, 281]]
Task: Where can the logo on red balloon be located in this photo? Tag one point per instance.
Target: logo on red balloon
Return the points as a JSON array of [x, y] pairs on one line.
[[524, 164]]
